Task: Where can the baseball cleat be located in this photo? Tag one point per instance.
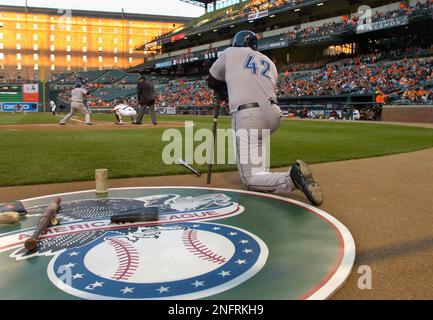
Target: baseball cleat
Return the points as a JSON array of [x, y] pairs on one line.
[[119, 123], [302, 177], [62, 124], [89, 124]]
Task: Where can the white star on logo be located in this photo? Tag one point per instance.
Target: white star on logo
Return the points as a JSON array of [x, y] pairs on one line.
[[239, 262], [72, 254], [78, 276], [163, 289], [198, 284], [216, 228], [127, 290], [224, 273], [70, 265], [196, 226], [233, 234], [244, 241], [247, 251], [94, 285]]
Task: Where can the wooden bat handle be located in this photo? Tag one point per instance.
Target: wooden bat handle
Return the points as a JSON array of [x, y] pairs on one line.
[[214, 132], [43, 224]]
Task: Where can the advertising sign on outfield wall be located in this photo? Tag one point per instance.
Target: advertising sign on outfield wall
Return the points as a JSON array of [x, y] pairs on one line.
[[11, 93], [166, 110], [31, 93], [12, 106]]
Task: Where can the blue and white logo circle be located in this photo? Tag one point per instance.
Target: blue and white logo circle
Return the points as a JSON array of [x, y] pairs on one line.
[[181, 261]]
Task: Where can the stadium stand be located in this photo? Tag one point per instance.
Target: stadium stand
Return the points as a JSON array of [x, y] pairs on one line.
[[112, 93], [395, 79], [400, 74], [111, 77], [405, 77], [235, 14]]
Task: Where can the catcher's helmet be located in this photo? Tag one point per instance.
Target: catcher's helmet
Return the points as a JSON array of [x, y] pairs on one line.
[[245, 38]]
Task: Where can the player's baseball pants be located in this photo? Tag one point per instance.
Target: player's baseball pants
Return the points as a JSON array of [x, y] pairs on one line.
[[77, 107], [126, 113], [251, 144], [151, 111]]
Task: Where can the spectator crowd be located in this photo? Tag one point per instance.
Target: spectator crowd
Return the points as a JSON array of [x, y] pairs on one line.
[[404, 81], [407, 80]]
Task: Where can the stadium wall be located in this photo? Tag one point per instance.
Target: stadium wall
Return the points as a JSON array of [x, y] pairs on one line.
[[409, 113]]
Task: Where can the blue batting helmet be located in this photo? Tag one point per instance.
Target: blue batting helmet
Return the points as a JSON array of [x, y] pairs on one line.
[[245, 38]]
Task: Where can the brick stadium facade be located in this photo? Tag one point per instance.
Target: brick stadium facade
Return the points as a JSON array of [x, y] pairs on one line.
[[36, 42]]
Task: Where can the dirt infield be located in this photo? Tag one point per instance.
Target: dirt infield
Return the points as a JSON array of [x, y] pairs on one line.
[[74, 126], [385, 202]]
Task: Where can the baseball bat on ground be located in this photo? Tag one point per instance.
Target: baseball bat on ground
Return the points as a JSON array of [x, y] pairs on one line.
[[139, 215], [216, 111], [9, 217], [182, 162], [48, 218]]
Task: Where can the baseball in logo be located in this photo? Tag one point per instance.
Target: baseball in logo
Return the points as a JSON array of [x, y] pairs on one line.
[[182, 261]]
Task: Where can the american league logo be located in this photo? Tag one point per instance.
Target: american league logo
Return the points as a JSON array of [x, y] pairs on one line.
[[178, 257]]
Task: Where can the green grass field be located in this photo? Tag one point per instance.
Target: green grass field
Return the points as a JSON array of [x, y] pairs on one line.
[[61, 156], [28, 118]]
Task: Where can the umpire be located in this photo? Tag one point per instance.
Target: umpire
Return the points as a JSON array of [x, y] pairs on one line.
[[146, 98]]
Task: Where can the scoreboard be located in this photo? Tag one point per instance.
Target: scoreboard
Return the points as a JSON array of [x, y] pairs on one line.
[[16, 96], [11, 93]]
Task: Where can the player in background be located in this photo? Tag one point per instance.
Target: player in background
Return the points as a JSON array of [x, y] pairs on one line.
[[77, 105], [53, 107], [356, 115], [123, 110], [249, 79], [18, 108]]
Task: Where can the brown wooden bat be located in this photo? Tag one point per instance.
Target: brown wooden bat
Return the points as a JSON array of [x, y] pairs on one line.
[[48, 218], [216, 111]]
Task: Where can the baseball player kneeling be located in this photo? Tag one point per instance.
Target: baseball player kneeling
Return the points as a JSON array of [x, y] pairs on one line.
[[123, 110], [248, 78]]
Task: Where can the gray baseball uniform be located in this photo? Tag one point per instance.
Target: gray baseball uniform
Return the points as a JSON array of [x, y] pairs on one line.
[[251, 78], [77, 105]]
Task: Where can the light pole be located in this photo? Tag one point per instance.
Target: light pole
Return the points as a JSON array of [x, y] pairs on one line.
[[44, 102]]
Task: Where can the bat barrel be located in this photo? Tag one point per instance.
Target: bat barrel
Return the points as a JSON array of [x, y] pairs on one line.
[[43, 223]]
